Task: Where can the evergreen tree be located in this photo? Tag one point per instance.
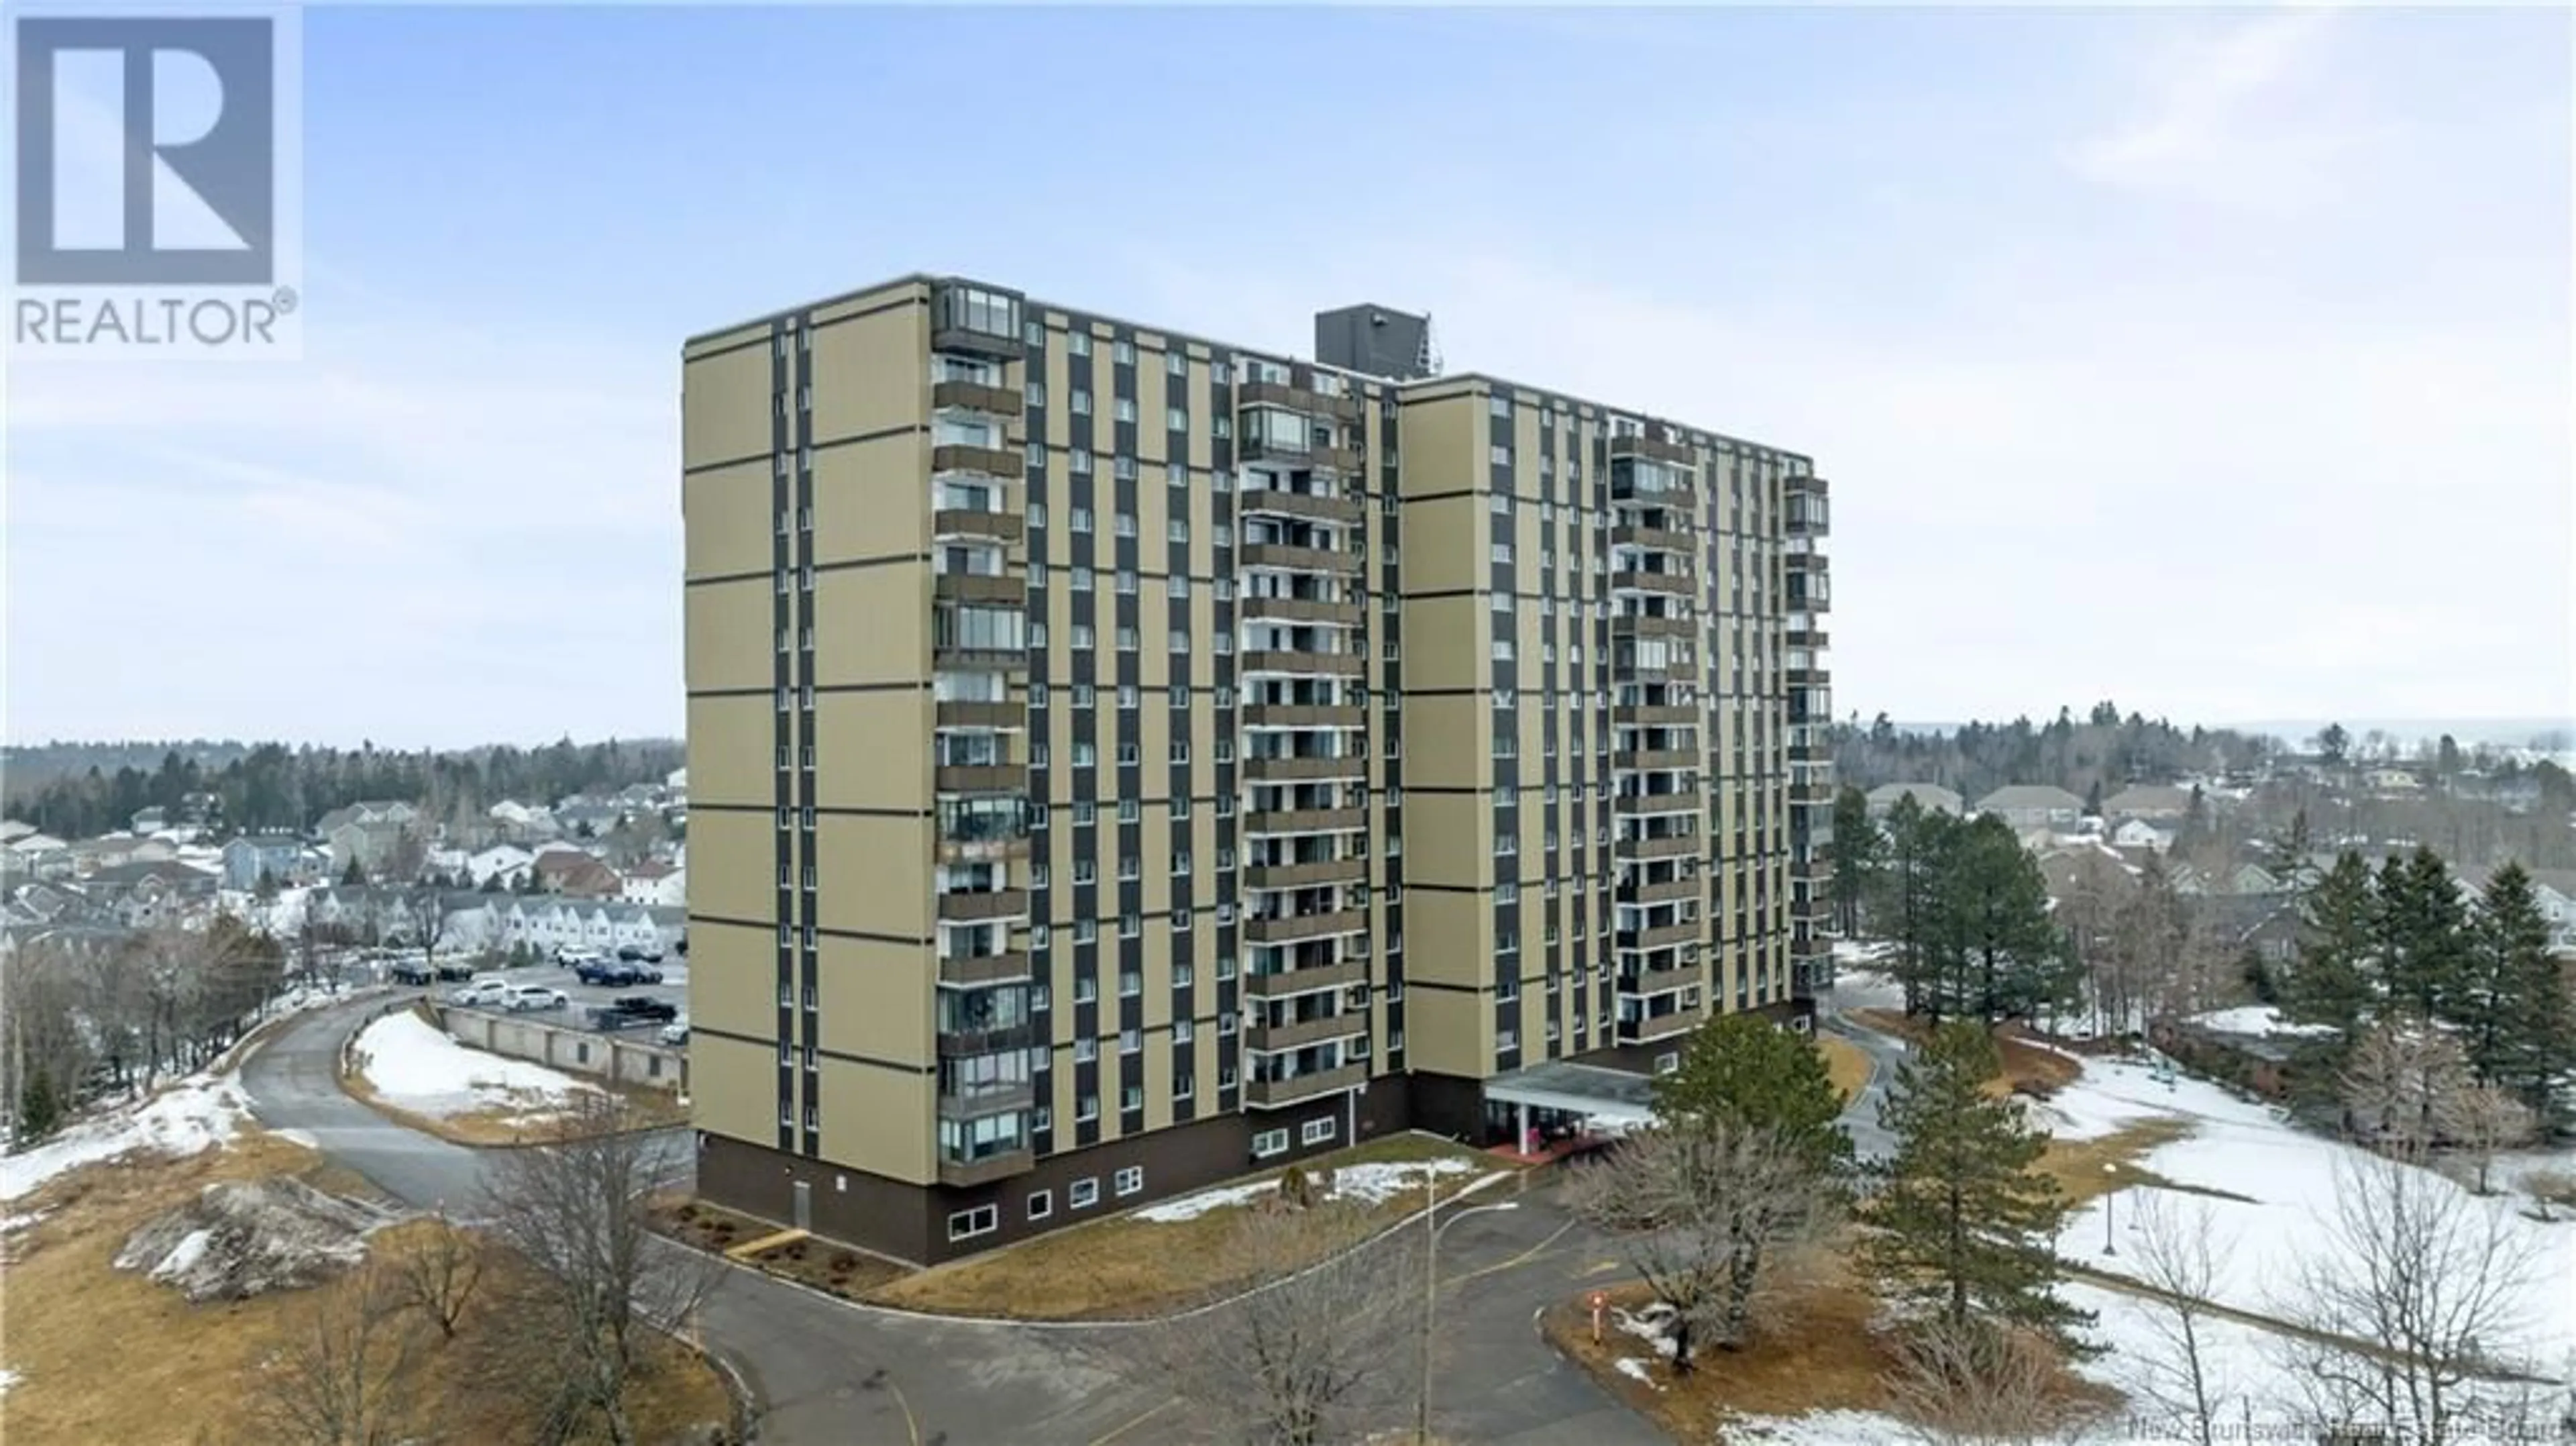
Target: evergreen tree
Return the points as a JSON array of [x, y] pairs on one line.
[[2335, 980], [354, 876], [1903, 910], [2093, 799], [40, 1107], [2004, 950], [1966, 1222], [266, 888], [2521, 1029], [1857, 854], [1742, 1070], [2423, 934]]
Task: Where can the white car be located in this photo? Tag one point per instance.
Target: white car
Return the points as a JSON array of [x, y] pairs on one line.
[[534, 996], [480, 993], [677, 1031]]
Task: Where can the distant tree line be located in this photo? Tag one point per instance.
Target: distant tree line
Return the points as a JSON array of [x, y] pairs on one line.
[[2102, 750], [270, 786]]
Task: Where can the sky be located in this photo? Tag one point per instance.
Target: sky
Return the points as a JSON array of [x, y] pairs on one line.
[[2216, 362]]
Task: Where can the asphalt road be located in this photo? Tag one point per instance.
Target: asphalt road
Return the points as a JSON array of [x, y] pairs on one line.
[[831, 1374]]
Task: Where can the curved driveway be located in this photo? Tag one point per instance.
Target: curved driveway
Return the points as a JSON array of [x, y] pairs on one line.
[[830, 1373]]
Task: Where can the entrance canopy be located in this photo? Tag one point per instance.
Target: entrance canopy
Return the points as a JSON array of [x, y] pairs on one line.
[[1603, 1096]]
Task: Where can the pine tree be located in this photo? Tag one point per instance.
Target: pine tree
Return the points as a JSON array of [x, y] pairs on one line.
[[40, 1107], [1917, 840], [1966, 1224], [1857, 854], [2521, 1032], [1740, 1069], [2334, 981], [355, 876], [2423, 934], [1995, 903]]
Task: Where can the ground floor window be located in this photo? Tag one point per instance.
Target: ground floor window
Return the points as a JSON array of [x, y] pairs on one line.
[[1268, 1143], [1083, 1194], [967, 1224], [1316, 1132], [1041, 1204], [1131, 1179]]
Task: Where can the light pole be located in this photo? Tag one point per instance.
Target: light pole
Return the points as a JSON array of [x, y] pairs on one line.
[[2111, 1170], [1431, 1286]]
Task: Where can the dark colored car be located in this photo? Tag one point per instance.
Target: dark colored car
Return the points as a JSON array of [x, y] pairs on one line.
[[409, 971], [634, 1009], [616, 975], [638, 954], [455, 973]]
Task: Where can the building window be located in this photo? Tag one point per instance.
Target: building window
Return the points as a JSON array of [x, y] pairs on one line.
[[967, 1224], [1316, 1132], [1131, 1180], [1041, 1204], [1269, 1143], [1083, 1194]]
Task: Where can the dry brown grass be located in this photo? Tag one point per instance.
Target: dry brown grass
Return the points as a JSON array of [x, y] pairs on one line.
[[1846, 1062], [106, 1355], [1827, 1355], [1122, 1267], [822, 1264], [2028, 1066]]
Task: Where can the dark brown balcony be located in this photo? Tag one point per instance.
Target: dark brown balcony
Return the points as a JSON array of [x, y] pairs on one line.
[[1296, 399], [977, 587], [1640, 805], [1653, 759], [965, 1173], [1669, 583], [1298, 610], [991, 904], [1654, 449], [980, 777], [1808, 603], [973, 969], [1809, 795], [1671, 847], [1659, 981], [1662, 1026], [1305, 820], [1290, 928], [987, 1100], [983, 715], [1806, 677], [983, 850], [1662, 936], [1665, 892], [1297, 559], [957, 1043], [1677, 670], [1299, 770], [1280, 502], [964, 457], [1297, 1034], [1303, 715], [1341, 665], [1336, 460], [1658, 538], [1649, 715], [1301, 981], [1271, 1094], [974, 522], [1642, 626], [1306, 876], [977, 397]]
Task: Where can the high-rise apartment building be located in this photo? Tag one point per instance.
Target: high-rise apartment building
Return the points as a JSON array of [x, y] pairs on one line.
[[1120, 759]]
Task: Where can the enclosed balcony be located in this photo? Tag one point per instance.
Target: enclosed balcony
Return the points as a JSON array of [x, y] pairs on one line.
[[1290, 928], [1283, 1026], [985, 828], [1674, 622], [984, 905], [1266, 436], [1301, 969], [976, 321], [1292, 557], [1276, 1089], [1287, 396], [1261, 820], [1648, 1025], [1303, 767], [1322, 505], [1652, 448], [1655, 845], [1672, 975]]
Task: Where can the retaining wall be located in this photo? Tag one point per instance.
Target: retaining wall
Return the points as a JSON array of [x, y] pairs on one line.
[[622, 1058]]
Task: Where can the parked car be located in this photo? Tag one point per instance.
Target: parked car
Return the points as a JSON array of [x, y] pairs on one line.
[[634, 1009], [481, 993], [528, 997], [454, 973], [616, 975], [409, 971], [676, 1032], [638, 954]]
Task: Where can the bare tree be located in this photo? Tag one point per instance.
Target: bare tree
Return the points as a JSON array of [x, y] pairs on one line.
[[348, 1375], [2182, 1254], [2482, 1120], [1700, 1208], [2398, 1084], [1317, 1351], [2547, 1188], [424, 921], [437, 1275], [50, 1040], [574, 1324], [2425, 1280], [1972, 1380]]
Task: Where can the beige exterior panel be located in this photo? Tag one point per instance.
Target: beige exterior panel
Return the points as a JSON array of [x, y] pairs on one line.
[[871, 374], [725, 407], [733, 1087], [732, 752], [727, 521], [733, 864], [879, 1120], [729, 635]]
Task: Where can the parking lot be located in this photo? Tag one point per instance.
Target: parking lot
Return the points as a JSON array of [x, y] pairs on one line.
[[674, 989]]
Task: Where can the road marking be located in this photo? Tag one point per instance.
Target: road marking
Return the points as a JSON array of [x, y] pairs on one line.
[[911, 1427], [1524, 1258], [1132, 1424], [1604, 1268]]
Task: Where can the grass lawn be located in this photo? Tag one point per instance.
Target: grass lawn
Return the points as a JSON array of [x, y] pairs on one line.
[[1847, 1062], [107, 1355], [2027, 1066], [1124, 1267], [1825, 1355]]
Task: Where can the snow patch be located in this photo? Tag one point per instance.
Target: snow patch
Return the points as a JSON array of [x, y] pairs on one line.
[[7, 1379], [412, 1066], [2258, 1020], [194, 1114], [298, 1137], [183, 1257], [1635, 1369], [1371, 1184]]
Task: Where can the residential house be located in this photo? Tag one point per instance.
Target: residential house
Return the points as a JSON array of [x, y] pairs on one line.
[[677, 786], [150, 820], [2137, 833], [247, 859], [588, 817], [574, 874], [654, 882], [41, 855], [2553, 890], [11, 830], [506, 862], [2153, 802], [108, 850], [2243, 880], [2392, 782], [145, 894], [2033, 805], [1929, 797], [524, 824], [367, 832]]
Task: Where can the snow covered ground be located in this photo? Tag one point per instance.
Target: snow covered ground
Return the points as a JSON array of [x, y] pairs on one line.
[[2256, 1019], [193, 1114], [1372, 1184], [412, 1066]]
